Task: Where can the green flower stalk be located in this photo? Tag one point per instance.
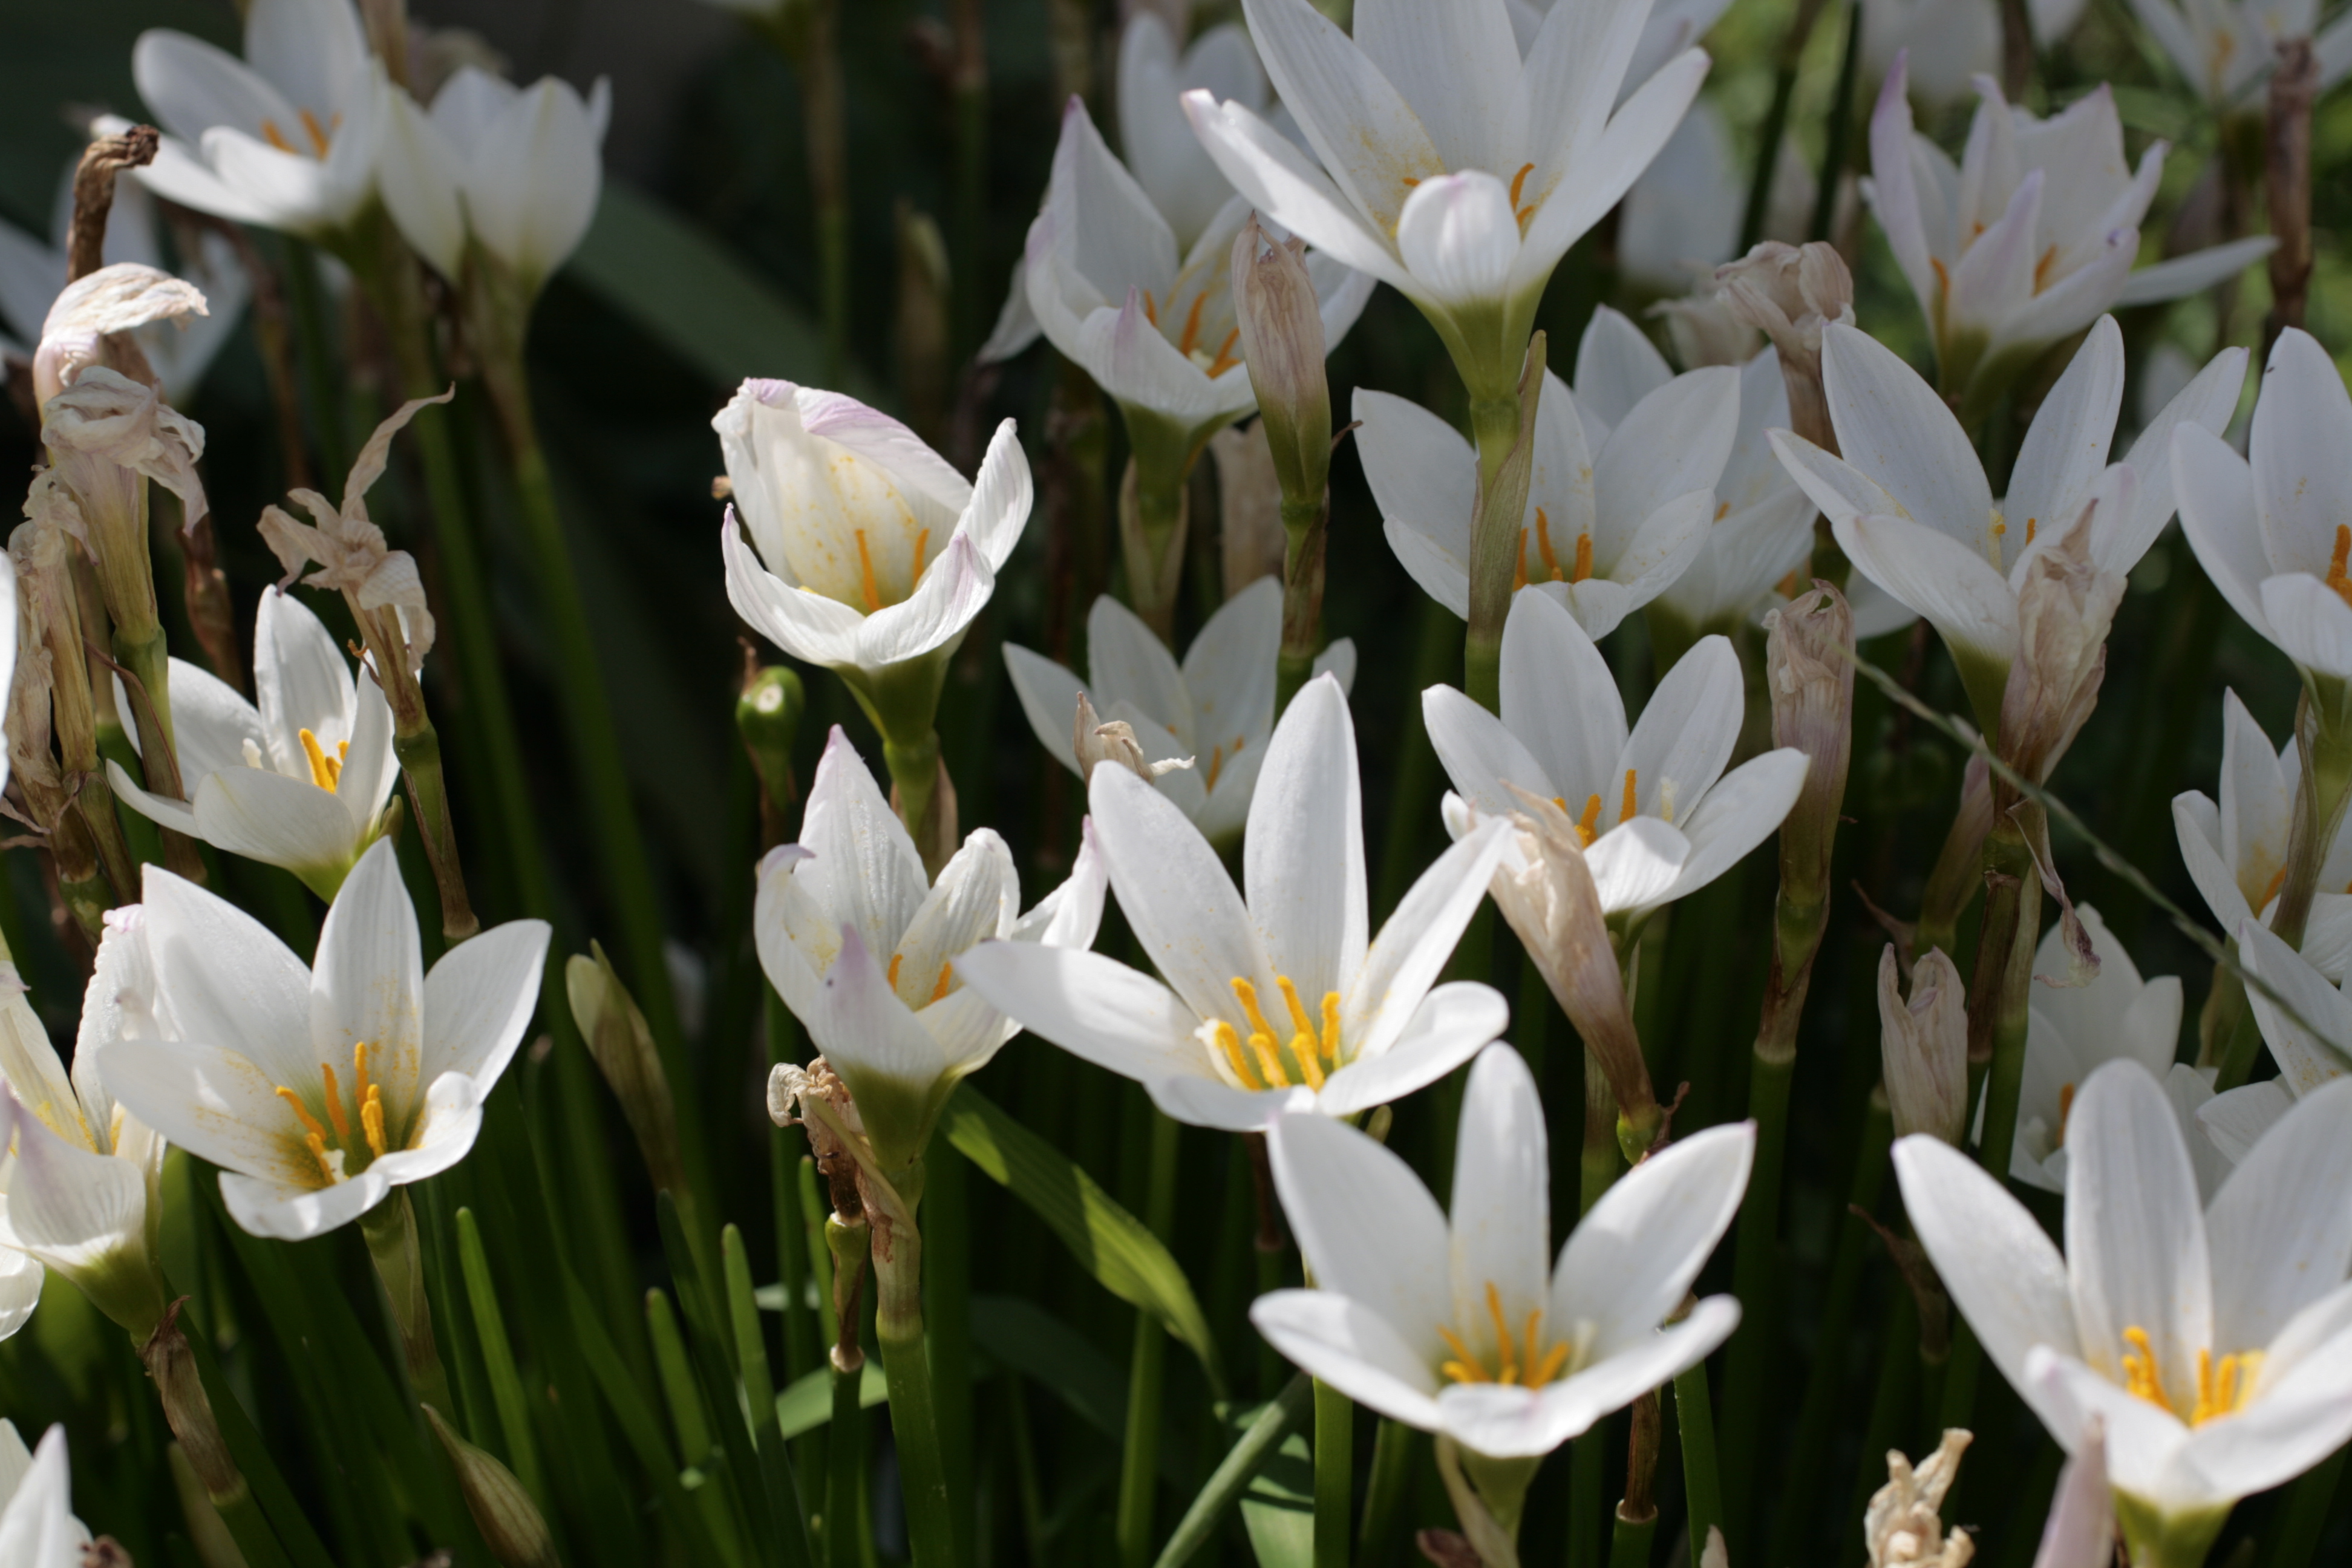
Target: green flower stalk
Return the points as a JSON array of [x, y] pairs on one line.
[[1506, 432]]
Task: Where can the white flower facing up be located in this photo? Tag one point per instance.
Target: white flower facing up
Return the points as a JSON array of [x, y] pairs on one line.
[[869, 553], [37, 1527], [2028, 237], [2214, 1341], [861, 946], [1620, 500], [1455, 1325], [319, 1090], [1216, 707], [2235, 849], [285, 137], [300, 780], [2226, 47], [1659, 816], [516, 170], [1281, 1002], [1457, 166], [1912, 509]]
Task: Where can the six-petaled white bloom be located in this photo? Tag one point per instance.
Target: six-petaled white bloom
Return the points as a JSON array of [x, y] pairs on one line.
[[862, 947], [2028, 237], [1620, 500], [2226, 47], [319, 1090], [1912, 509], [299, 781], [2214, 1340], [37, 1527], [1216, 707], [1659, 816], [1453, 1324], [1281, 1002], [1456, 166], [285, 137]]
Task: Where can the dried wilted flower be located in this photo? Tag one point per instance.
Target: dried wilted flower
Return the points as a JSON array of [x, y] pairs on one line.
[[1902, 1527]]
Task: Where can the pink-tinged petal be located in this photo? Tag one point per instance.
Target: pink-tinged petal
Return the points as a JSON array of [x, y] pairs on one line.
[[1894, 192]]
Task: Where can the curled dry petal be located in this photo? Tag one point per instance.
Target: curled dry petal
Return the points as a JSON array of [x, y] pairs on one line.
[[1902, 1526], [1925, 1046], [1281, 326], [89, 323], [106, 417], [1809, 674], [2065, 604], [1790, 293], [1093, 741]]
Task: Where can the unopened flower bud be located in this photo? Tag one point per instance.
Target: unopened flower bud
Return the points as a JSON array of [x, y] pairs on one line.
[[1281, 324], [189, 1410], [768, 718], [1902, 1527], [1249, 506], [509, 1521], [1809, 676], [1923, 1044], [2065, 604], [1791, 292], [623, 1043]]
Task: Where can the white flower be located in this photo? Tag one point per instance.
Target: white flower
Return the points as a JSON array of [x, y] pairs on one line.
[[2275, 533], [2236, 851], [33, 274], [1763, 527], [1216, 707], [37, 1527], [299, 780], [2214, 1341], [1453, 1324], [871, 552], [1281, 1003], [288, 142], [2311, 1053], [518, 169], [317, 1091], [2074, 1030], [2029, 238], [1912, 509], [1621, 493], [1660, 817], [1453, 168], [861, 947], [2225, 47]]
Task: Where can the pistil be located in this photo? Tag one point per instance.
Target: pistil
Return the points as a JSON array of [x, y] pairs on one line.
[[326, 771]]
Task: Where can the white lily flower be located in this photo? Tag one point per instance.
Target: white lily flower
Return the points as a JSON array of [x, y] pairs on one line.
[[253, 1078], [517, 168], [1660, 817], [1911, 507], [2272, 532], [299, 780], [33, 274], [2074, 1030], [869, 554], [2311, 1053], [1216, 707], [1763, 527], [2030, 237], [1453, 1324], [2226, 47], [287, 141], [1281, 1002], [2215, 1342], [37, 1527], [2236, 850], [80, 1173], [862, 947], [1461, 166], [1621, 498], [1150, 318]]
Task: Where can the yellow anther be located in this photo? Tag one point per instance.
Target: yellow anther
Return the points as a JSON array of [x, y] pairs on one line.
[[1300, 1021], [1943, 279], [1229, 1045], [1269, 1063], [2337, 562], [1518, 183], [2278, 881], [318, 1144], [1192, 333], [1522, 1361], [1583, 567], [891, 979], [361, 1088], [1555, 1360], [335, 1104], [1216, 765], [318, 132], [1246, 994], [1626, 809], [2065, 1110], [274, 137], [2142, 1380], [371, 1119], [326, 771], [2029, 530], [922, 544], [1225, 360], [865, 575], [947, 973], [1999, 527], [1543, 546], [1464, 1367], [1150, 312], [1588, 827], [1310, 1065], [309, 1122], [1331, 1027], [1722, 511], [2042, 268]]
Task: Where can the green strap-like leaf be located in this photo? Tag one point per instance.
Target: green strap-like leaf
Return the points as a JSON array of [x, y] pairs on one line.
[[1277, 1501], [1111, 1244], [806, 1403]]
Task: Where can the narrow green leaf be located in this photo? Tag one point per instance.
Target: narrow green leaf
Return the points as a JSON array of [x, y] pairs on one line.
[[807, 1403], [1109, 1243], [1278, 1508], [1271, 1427], [497, 1356], [1051, 1354]]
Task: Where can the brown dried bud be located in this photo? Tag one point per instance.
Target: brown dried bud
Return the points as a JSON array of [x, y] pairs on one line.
[[1924, 1046], [503, 1511], [1809, 676], [189, 1410], [2064, 606], [1791, 292], [1249, 506], [1281, 323]]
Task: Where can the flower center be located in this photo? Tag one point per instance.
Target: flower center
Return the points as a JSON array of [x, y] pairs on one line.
[[326, 771], [369, 1097], [321, 137], [1523, 1361], [1588, 827], [2337, 578], [947, 973], [1313, 1053], [2223, 1388], [1578, 573], [1187, 342], [869, 587]]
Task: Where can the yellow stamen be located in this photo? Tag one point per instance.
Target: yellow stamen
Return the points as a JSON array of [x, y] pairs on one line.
[[1583, 568], [1304, 1045], [1225, 359], [2042, 268], [1269, 1064], [1554, 1362], [2029, 530], [1298, 1018], [1722, 511], [1464, 1367], [2278, 881], [371, 1119], [1229, 1042], [922, 544], [1521, 1362], [318, 132], [361, 1088], [1788, 587], [1246, 994], [1150, 312], [1588, 827], [274, 137], [1331, 1027], [865, 575], [2141, 1378], [1999, 528], [326, 771], [1943, 280], [1505, 1359], [1192, 333], [318, 1146], [1543, 546], [1518, 183], [2336, 578], [947, 973], [2065, 1110], [335, 1104], [1626, 811], [1216, 765], [302, 1113]]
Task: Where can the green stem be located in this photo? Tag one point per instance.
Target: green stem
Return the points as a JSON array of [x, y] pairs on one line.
[[389, 1228], [914, 771], [1833, 154], [2309, 1503], [2323, 730], [947, 1284], [1334, 1462], [315, 353], [1630, 1540], [1302, 595], [1394, 1447], [1494, 424], [2166, 1540], [1140, 1464], [1154, 512], [914, 1408], [1767, 144], [419, 751], [1754, 1275], [1587, 1462], [846, 1456], [846, 1249], [1702, 1479], [2010, 865]]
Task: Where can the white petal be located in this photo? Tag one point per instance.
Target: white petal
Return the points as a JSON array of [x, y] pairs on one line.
[[1892, 427], [1739, 813], [1506, 1421], [1558, 700], [1481, 757], [1090, 1006], [1956, 590], [1459, 235], [1358, 124], [2178, 277], [953, 590], [1347, 1346], [1285, 185], [1127, 663], [227, 982], [1303, 858], [2301, 452], [478, 1000], [421, 177], [1501, 1211], [1447, 1030], [1633, 1258], [2306, 1060], [1049, 699], [1617, 365], [1177, 897], [863, 869], [1405, 959], [2278, 1241], [1365, 1224], [2310, 622], [2066, 446], [2237, 1120], [368, 987], [2215, 491]]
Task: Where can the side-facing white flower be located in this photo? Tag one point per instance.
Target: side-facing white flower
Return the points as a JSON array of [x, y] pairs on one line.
[[253, 1078], [1455, 166], [862, 947], [517, 168], [2235, 850], [1659, 816], [2311, 1043], [2029, 238], [1621, 493], [1912, 509], [1763, 527], [1216, 707], [1453, 1324], [2274, 530], [869, 553], [1280, 1003], [37, 1527], [2214, 1341], [287, 141], [299, 780], [2224, 47]]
